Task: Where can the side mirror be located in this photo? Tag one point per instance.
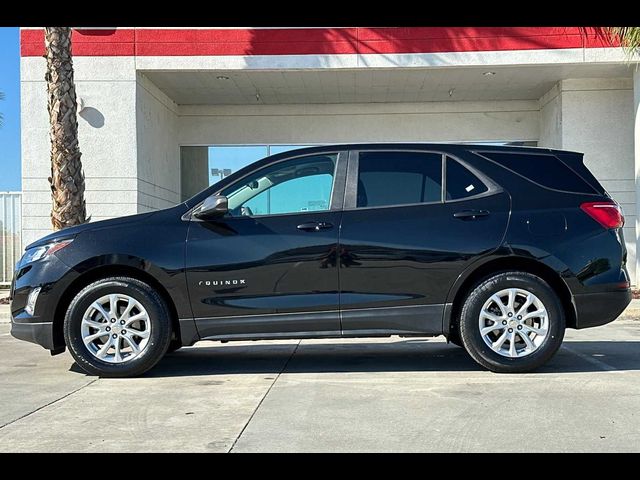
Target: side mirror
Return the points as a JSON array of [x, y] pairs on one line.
[[213, 206]]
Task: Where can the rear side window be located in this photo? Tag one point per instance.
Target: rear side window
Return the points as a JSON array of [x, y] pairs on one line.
[[461, 183], [398, 178], [545, 170]]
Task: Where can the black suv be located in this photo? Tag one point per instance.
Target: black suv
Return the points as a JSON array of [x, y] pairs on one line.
[[497, 248]]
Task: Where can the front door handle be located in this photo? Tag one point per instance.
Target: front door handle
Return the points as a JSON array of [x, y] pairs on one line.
[[471, 214], [314, 226]]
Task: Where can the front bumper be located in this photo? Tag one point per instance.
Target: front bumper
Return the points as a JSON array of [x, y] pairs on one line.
[[53, 277], [38, 332], [593, 309]]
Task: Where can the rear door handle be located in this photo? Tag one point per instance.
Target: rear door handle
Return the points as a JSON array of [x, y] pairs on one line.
[[471, 214], [314, 226]]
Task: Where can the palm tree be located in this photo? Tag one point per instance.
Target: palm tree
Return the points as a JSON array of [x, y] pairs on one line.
[[67, 177], [629, 38]]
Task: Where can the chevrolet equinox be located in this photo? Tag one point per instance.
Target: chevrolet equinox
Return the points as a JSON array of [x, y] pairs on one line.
[[499, 249]]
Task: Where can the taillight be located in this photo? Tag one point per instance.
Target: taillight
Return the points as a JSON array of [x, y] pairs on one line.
[[607, 214]]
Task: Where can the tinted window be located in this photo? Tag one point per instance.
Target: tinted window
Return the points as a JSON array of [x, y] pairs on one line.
[[298, 185], [461, 183], [397, 178], [545, 170]]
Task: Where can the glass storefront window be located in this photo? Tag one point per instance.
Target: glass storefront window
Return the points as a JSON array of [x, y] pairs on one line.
[[273, 149], [224, 160]]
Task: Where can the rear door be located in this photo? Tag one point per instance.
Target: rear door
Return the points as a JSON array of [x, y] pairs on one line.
[[413, 221]]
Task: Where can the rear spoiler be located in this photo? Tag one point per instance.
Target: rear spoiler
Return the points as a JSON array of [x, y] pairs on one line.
[[575, 161]]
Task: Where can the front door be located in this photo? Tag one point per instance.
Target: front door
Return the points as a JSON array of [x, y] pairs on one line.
[[269, 267], [406, 236]]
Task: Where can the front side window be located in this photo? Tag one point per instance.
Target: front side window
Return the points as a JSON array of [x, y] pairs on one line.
[[398, 178], [293, 186]]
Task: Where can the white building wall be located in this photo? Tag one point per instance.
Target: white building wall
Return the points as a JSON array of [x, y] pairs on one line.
[[636, 144], [107, 136], [551, 119], [158, 162], [130, 134], [376, 122]]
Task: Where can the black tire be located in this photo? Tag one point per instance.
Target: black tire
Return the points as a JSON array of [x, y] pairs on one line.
[[470, 330], [159, 338]]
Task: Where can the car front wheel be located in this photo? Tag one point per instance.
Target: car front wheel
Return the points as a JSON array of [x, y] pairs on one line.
[[117, 327], [512, 322]]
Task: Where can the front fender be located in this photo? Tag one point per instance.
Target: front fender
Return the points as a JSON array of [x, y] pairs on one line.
[[172, 280]]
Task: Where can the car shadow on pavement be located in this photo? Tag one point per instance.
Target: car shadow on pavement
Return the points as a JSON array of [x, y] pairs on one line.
[[413, 355]]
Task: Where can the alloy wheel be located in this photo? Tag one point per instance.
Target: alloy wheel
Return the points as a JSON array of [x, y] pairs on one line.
[[514, 322], [116, 328]]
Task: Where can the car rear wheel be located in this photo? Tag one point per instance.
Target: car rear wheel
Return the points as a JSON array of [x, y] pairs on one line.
[[512, 322], [117, 327]]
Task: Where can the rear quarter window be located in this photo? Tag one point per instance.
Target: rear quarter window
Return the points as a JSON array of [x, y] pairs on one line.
[[461, 183], [545, 170]]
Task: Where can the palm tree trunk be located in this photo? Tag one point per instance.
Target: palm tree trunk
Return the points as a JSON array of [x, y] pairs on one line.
[[67, 177]]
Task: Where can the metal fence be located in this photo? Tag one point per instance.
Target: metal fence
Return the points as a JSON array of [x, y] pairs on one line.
[[10, 234]]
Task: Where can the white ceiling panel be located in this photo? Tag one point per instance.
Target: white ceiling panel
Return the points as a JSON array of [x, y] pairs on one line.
[[239, 87]]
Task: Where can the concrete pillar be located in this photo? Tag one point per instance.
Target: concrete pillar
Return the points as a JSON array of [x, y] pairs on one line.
[[194, 170], [597, 119], [551, 118]]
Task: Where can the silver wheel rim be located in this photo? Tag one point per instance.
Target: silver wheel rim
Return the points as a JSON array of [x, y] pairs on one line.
[[514, 322], [116, 328]]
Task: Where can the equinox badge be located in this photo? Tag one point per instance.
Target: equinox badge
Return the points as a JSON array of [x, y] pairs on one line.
[[221, 283]]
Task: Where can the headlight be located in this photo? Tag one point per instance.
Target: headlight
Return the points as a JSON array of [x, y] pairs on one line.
[[38, 253]]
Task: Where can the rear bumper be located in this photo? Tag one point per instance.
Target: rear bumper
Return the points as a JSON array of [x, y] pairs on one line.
[[40, 333], [593, 309]]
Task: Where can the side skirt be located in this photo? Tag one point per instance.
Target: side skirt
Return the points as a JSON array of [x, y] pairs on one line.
[[414, 320], [401, 320]]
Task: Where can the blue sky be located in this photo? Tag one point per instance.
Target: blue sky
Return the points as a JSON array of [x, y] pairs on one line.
[[10, 108]]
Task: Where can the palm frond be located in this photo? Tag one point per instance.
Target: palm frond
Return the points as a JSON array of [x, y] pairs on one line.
[[629, 38]]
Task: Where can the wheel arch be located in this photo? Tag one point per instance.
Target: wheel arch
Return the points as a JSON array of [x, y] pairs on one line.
[[105, 271], [466, 283]]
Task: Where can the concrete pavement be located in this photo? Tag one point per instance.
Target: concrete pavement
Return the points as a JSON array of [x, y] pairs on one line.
[[5, 316], [319, 395]]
